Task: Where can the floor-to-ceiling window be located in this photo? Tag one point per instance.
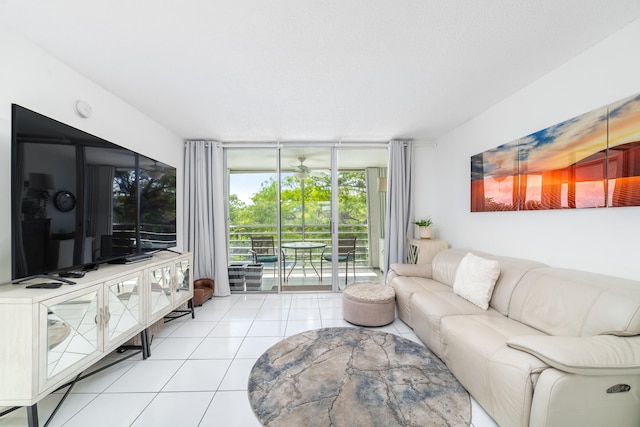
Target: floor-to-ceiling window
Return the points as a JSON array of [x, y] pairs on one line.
[[315, 212], [252, 219], [305, 215], [360, 214]]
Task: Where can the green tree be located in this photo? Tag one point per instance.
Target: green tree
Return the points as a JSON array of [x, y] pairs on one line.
[[317, 196], [235, 207]]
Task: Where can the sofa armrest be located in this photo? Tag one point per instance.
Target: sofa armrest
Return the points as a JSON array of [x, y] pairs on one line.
[[415, 270], [595, 355]]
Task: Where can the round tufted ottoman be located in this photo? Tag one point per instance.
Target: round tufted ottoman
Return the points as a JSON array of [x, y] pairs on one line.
[[369, 304]]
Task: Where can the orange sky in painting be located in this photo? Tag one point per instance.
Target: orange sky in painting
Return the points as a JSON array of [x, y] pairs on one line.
[[569, 143]]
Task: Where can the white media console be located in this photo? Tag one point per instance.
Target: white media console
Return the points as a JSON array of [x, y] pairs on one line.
[[49, 336]]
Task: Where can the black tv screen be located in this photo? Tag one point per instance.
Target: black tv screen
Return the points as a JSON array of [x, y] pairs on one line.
[[78, 200]]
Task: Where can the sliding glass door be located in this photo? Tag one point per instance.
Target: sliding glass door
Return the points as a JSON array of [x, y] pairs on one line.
[[255, 262], [304, 217], [360, 214]]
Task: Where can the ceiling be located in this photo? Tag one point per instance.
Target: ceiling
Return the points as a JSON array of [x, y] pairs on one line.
[[310, 70]]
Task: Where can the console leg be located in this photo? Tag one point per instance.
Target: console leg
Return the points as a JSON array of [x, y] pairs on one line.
[[32, 415], [193, 311], [146, 349]]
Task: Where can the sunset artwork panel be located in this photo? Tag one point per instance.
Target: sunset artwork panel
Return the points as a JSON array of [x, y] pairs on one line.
[[494, 179], [589, 161], [624, 152], [564, 166]]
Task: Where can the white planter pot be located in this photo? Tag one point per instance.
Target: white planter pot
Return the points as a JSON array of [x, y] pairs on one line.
[[425, 232]]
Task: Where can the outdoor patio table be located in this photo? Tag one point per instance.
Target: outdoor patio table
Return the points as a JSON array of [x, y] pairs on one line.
[[303, 247]]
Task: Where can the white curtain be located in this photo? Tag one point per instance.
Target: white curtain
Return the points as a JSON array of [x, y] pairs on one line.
[[399, 202], [376, 202], [205, 223]]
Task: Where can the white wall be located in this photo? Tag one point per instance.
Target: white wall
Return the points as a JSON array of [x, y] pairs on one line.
[[600, 240], [35, 80]]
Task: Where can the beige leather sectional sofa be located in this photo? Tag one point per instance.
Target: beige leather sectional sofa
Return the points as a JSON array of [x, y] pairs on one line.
[[556, 347]]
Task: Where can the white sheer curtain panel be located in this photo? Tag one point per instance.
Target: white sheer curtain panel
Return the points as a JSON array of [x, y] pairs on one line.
[[399, 202], [205, 212]]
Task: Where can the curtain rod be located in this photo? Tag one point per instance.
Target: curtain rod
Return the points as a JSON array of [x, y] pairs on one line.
[[294, 144], [300, 144]]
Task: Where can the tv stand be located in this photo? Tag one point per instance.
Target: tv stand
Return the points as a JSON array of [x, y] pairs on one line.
[[44, 276], [57, 334]]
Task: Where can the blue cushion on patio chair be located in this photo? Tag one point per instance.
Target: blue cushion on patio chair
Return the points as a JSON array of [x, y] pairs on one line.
[[263, 249], [346, 253], [266, 258], [341, 258]]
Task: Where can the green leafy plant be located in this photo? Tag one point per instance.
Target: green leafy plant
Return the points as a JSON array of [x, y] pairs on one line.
[[427, 222]]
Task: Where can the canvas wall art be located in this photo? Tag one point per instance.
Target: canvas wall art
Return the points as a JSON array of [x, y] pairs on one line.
[[589, 161], [494, 179], [624, 153]]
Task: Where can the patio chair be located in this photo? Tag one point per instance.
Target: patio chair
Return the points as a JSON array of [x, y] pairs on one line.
[[263, 249], [346, 253]]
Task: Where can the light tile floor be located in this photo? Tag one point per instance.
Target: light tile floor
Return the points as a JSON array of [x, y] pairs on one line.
[[198, 371]]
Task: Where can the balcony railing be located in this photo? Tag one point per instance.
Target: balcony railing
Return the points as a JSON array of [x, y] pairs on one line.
[[152, 236], [240, 238]]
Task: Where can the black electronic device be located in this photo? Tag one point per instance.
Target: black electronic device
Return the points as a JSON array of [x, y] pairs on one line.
[[75, 274], [48, 285], [78, 200], [132, 258], [91, 267]]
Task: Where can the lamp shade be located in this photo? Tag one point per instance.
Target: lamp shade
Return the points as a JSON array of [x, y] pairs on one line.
[[40, 181], [382, 184]]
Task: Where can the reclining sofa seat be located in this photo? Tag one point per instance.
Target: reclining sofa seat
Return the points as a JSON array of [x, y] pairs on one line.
[[501, 355]]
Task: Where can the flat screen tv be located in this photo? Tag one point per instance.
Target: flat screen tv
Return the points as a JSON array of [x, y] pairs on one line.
[[78, 201]]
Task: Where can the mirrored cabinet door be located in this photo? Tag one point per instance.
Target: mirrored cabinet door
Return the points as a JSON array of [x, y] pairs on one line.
[[182, 280], [160, 295], [72, 325], [124, 310]]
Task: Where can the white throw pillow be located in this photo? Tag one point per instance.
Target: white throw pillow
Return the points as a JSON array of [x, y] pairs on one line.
[[475, 279]]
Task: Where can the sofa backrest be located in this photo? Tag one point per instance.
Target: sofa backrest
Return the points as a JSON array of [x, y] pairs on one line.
[[445, 265], [567, 302]]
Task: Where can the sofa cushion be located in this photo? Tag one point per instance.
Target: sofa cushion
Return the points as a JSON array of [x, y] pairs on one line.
[[596, 355], [575, 303], [406, 287], [500, 378], [445, 265], [429, 308], [511, 271], [475, 279]]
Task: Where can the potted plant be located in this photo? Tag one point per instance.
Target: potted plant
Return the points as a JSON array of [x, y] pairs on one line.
[[424, 227]]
